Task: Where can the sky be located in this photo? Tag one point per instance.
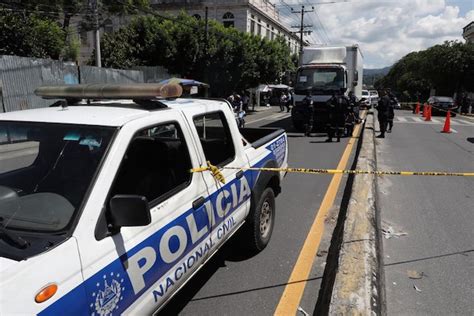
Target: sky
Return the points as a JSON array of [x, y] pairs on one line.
[[385, 30]]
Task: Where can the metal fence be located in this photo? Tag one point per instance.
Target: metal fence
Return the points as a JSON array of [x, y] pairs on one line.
[[20, 76], [90, 74]]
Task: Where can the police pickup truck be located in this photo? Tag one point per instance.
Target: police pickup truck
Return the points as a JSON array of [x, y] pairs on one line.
[[99, 212]]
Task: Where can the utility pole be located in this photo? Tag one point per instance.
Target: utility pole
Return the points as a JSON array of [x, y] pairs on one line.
[[206, 44], [302, 26], [95, 9]]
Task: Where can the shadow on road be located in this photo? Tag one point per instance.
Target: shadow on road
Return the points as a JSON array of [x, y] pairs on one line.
[[462, 253], [230, 251], [470, 139]]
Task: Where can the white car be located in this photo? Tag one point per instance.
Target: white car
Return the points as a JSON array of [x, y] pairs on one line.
[[374, 97], [365, 100], [99, 211]]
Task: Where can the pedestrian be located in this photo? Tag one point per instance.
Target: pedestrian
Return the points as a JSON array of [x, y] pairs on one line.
[[465, 103], [383, 112], [289, 101], [283, 100], [307, 103], [245, 101], [391, 110], [338, 109]]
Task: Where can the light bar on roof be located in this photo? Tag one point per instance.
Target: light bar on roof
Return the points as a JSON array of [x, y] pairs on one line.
[[111, 91]]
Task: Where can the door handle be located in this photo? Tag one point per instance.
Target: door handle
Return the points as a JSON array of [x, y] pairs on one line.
[[198, 203], [239, 174]]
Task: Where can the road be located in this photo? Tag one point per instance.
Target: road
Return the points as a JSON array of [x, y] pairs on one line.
[[234, 284], [432, 217]]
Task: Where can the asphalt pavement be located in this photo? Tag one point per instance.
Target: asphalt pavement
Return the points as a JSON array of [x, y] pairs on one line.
[[427, 222], [235, 284]]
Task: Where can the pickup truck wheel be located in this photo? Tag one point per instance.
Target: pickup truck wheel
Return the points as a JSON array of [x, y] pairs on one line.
[[261, 221]]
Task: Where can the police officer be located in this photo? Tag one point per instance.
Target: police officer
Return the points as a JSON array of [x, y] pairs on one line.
[[308, 113], [354, 105], [383, 112], [391, 110], [338, 107]]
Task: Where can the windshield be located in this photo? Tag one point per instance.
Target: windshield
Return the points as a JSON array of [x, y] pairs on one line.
[[45, 171], [320, 78], [365, 93]]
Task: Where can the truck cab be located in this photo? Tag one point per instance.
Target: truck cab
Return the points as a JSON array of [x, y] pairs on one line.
[[324, 72]]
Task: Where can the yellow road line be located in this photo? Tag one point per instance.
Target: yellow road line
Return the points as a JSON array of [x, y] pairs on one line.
[[294, 289]]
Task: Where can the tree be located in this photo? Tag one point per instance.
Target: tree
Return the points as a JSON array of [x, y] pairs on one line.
[[447, 68], [30, 36], [230, 60]]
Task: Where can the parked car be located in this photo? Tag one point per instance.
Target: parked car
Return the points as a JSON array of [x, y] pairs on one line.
[[365, 100], [442, 104], [100, 212]]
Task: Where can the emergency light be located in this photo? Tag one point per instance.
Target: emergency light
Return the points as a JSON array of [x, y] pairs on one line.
[[111, 91]]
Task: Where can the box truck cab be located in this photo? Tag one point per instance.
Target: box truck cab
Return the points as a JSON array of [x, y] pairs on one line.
[[325, 71]]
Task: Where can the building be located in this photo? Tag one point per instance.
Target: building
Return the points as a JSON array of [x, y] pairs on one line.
[[468, 32], [257, 17]]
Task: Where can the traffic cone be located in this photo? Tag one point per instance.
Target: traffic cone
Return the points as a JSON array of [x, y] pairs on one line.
[[447, 123], [417, 108], [428, 114]]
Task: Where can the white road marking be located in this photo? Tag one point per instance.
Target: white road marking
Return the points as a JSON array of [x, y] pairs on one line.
[[434, 121], [273, 116], [401, 119]]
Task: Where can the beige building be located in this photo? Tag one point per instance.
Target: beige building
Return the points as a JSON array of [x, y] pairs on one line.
[[468, 32]]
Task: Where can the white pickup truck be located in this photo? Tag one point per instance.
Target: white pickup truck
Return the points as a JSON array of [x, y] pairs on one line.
[[99, 212]]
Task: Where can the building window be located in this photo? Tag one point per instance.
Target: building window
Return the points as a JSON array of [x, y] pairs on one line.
[[259, 29], [252, 27], [197, 16], [228, 19], [268, 32]]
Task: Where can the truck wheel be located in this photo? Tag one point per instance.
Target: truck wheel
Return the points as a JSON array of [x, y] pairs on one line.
[[261, 221]]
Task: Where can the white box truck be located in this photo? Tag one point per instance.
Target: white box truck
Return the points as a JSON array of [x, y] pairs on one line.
[[324, 71]]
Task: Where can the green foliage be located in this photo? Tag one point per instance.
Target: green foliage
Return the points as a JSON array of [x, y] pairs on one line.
[[30, 36], [447, 68], [73, 46], [231, 60]]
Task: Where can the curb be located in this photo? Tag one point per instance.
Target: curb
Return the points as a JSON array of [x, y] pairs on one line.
[[356, 288]]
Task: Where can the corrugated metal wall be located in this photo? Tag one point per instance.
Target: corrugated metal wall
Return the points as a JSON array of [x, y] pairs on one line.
[[90, 74], [20, 76]]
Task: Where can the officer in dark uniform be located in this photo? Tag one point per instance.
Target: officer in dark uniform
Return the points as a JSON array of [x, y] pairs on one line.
[[354, 105], [383, 109], [338, 107], [308, 112], [391, 110]]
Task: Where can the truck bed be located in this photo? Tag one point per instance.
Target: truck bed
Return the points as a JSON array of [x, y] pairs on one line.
[[260, 136]]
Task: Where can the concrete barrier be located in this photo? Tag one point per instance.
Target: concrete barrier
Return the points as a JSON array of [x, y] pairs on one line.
[[357, 289]]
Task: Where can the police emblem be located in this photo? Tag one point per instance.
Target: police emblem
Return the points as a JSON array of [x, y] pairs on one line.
[[108, 298]]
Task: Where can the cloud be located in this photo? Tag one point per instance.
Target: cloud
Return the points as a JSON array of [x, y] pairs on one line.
[[388, 30]]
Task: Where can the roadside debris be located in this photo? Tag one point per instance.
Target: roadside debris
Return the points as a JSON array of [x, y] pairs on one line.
[[389, 232], [415, 275], [416, 288], [302, 311]]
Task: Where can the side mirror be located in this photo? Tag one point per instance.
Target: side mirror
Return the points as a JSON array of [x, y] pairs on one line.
[[355, 83], [129, 210]]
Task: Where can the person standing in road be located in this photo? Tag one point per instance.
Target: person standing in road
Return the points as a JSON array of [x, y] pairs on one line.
[[383, 112], [354, 106], [289, 101], [309, 113], [391, 110], [465, 103], [338, 107]]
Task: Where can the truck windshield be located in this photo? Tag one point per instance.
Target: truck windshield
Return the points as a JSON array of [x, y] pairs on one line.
[[320, 78], [45, 172]]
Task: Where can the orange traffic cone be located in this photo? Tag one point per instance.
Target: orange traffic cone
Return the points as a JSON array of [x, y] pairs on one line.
[[417, 108], [447, 123], [428, 114]]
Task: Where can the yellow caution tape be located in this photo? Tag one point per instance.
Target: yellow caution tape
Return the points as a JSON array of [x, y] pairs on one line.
[[218, 175]]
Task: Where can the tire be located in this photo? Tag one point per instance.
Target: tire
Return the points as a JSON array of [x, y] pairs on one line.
[[261, 221]]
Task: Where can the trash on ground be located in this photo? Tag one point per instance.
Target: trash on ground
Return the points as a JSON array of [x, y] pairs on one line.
[[389, 232], [412, 274], [302, 311], [416, 288]]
